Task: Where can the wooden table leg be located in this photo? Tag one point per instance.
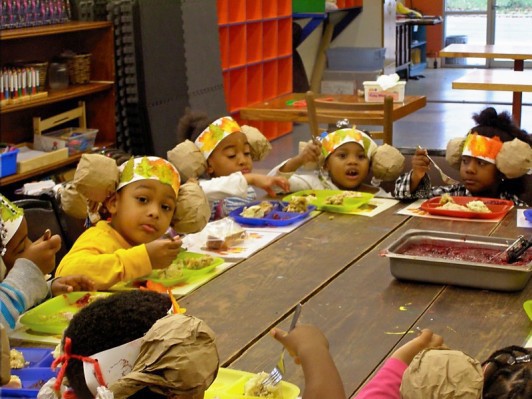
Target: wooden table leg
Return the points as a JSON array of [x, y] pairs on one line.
[[517, 100]]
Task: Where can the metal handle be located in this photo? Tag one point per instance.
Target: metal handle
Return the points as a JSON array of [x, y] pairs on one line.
[[297, 312]]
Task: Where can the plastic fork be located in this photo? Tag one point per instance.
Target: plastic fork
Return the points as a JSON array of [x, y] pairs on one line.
[[446, 178], [276, 375]]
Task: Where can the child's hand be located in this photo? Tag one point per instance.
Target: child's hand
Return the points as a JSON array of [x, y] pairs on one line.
[[303, 338], [163, 251], [420, 167], [426, 339], [76, 282], [267, 182], [42, 252], [310, 153]]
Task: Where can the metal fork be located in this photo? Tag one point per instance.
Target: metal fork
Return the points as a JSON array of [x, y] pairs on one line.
[[446, 178], [276, 375]]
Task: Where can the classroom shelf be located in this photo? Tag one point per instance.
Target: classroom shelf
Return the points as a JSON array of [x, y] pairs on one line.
[[256, 55]]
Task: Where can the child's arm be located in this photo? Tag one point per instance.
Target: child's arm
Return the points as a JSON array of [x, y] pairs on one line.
[[78, 282], [420, 167], [311, 153], [309, 348], [42, 251], [267, 183]]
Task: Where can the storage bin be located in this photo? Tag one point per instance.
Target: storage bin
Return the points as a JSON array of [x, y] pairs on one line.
[[355, 58], [75, 139], [373, 92], [308, 5], [346, 82], [8, 163]]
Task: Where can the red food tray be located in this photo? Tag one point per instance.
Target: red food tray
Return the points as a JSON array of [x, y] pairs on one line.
[[498, 207]]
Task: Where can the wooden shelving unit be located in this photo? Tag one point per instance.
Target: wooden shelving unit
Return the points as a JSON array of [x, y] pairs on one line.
[[43, 43], [256, 51]]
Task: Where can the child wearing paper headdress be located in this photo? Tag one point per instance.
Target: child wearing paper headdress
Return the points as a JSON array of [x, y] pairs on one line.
[[223, 153], [24, 264], [493, 160], [347, 155], [130, 244], [128, 346]]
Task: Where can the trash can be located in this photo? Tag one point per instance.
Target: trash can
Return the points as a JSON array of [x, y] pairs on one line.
[[462, 39]]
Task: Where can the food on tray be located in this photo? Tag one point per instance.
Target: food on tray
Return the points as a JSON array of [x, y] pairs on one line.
[[223, 233], [175, 270], [463, 253], [338, 199], [14, 383], [254, 387], [447, 202], [85, 300], [298, 203], [199, 262], [257, 211], [16, 359]]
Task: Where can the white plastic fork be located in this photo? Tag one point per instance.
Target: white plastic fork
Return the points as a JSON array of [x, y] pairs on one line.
[[276, 375], [446, 178]]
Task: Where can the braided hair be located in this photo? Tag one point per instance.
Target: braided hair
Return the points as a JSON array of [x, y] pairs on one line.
[[508, 374]]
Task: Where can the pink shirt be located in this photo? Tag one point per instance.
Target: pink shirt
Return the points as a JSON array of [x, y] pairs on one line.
[[386, 383]]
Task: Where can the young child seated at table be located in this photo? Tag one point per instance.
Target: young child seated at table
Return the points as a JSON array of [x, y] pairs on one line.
[[493, 160], [131, 243], [142, 350], [223, 153], [344, 158], [24, 264]]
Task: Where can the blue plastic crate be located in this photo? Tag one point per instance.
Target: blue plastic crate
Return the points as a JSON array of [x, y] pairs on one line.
[[32, 379], [8, 163], [355, 58]]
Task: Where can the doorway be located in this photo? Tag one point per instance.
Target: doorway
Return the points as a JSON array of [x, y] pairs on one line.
[[486, 22]]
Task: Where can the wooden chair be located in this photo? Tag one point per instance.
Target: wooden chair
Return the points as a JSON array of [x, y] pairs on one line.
[[326, 111]]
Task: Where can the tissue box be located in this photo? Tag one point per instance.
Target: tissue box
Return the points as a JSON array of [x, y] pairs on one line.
[[75, 139], [373, 92]]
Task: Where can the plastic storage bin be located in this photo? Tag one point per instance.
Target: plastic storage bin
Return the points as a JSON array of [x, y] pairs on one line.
[[308, 5], [75, 139], [373, 92], [346, 82], [8, 163], [355, 58]]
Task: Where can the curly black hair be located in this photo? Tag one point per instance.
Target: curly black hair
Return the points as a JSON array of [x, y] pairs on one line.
[[110, 322], [508, 374], [490, 124], [191, 124]]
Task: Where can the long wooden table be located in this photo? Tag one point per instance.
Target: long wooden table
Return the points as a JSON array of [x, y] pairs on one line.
[[491, 51]]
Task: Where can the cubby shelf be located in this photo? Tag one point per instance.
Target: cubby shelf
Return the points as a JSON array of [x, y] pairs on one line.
[[256, 55]]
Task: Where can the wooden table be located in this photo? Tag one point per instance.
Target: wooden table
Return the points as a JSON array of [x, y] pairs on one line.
[[491, 51]]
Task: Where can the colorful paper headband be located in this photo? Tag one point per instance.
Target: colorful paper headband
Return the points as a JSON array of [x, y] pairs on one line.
[[144, 168], [332, 141], [11, 216], [482, 147], [209, 139]]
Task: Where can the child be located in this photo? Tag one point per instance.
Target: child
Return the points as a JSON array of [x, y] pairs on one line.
[[23, 265], [159, 355], [508, 374], [130, 245], [348, 154], [225, 153], [493, 161]]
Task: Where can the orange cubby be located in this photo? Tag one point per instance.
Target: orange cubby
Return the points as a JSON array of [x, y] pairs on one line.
[[254, 42], [227, 85], [284, 71], [236, 11], [269, 79], [222, 9], [254, 10], [269, 9], [269, 39], [237, 45], [223, 32], [254, 84], [237, 89], [284, 8], [284, 128], [284, 46]]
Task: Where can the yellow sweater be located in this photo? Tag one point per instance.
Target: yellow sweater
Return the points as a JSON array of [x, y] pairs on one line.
[[102, 254]]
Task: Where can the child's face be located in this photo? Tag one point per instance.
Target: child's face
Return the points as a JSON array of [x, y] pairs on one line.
[[479, 176], [233, 154], [142, 211], [348, 166], [17, 245]]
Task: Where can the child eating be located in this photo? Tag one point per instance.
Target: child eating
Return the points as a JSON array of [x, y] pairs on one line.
[[493, 160]]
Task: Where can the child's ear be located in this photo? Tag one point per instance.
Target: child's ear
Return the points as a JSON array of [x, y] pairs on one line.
[[111, 203], [210, 169]]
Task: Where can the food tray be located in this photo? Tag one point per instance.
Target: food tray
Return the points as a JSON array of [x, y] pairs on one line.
[[277, 217], [52, 316], [349, 204], [229, 384], [527, 305], [36, 357], [456, 272], [32, 379], [187, 273], [498, 207]]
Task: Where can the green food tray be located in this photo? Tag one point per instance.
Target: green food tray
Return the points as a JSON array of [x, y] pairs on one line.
[[349, 204], [49, 317], [229, 384]]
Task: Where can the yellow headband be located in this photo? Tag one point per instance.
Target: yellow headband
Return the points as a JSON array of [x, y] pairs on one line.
[[11, 217], [144, 168], [215, 133], [348, 135], [482, 147]]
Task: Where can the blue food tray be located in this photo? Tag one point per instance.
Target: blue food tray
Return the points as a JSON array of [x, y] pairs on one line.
[[31, 379], [37, 357], [277, 217]]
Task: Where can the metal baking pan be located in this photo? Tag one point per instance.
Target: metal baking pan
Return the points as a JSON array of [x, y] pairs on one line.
[[431, 269]]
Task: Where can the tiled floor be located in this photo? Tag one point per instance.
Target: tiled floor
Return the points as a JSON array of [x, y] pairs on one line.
[[447, 115]]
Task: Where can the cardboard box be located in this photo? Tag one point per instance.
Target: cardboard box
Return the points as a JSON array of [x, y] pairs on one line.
[[373, 93], [346, 82], [28, 159], [75, 139]]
